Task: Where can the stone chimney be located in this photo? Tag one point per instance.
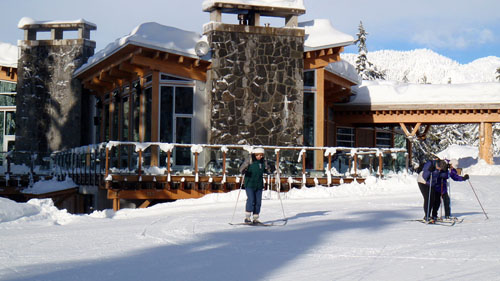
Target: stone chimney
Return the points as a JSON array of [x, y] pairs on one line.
[[255, 80], [49, 101]]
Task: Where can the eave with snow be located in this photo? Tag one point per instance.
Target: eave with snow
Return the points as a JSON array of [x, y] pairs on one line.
[[8, 62], [138, 54], [415, 107]]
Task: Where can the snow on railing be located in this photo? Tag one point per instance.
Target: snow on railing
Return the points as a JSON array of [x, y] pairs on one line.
[[148, 158]]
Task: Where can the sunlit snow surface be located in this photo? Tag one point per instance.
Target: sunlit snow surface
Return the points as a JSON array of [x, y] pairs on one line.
[[347, 232]]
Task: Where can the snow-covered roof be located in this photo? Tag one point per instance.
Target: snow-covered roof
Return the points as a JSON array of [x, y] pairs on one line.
[[292, 4], [345, 70], [320, 34], [8, 55], [25, 22], [381, 92], [150, 35]]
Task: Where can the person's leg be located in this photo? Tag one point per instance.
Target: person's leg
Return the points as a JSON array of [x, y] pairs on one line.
[[258, 203], [424, 189], [436, 204], [446, 202], [250, 203]]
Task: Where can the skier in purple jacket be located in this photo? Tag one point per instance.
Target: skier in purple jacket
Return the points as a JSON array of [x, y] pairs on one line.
[[441, 186]]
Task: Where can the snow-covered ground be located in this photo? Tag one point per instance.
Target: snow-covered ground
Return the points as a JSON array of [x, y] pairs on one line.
[[347, 232]]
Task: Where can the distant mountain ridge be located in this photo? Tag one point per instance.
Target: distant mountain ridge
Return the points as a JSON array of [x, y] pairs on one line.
[[424, 64]]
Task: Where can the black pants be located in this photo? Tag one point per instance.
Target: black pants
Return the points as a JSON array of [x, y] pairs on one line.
[[428, 198], [437, 203]]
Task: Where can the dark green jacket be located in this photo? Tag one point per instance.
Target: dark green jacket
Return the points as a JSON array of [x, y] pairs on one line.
[[254, 171]]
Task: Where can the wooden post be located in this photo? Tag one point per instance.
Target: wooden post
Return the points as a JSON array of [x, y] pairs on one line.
[[224, 170], [304, 168], [168, 167], [355, 164], [329, 166], [155, 117], [277, 170], [485, 142], [107, 162], [196, 183], [319, 118], [380, 164], [139, 163], [116, 204]]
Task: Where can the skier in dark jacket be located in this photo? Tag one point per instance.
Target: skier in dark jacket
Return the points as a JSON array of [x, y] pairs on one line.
[[424, 182], [254, 170], [439, 185], [442, 190]]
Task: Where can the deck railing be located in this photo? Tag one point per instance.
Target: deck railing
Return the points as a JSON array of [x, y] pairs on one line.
[[162, 162]]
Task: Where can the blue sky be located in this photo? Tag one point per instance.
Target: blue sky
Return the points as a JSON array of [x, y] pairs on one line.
[[462, 30]]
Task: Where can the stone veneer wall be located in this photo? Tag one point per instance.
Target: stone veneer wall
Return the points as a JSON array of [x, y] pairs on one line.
[[256, 84], [49, 100]]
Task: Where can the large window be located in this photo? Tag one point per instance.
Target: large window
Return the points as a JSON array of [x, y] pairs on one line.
[[176, 115], [346, 137], [7, 87], [384, 139], [147, 113], [308, 119]]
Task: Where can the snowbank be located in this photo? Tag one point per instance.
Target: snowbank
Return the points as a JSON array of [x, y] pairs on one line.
[[33, 210]]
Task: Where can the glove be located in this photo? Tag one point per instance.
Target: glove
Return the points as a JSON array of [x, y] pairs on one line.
[[432, 168], [466, 177]]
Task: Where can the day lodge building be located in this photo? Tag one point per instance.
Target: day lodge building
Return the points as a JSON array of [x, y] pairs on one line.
[[166, 114]]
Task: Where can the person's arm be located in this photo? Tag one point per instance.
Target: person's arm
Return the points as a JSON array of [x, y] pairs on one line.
[[427, 170], [454, 175], [244, 166]]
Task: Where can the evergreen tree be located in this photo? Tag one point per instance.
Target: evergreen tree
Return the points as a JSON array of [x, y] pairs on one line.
[[498, 72], [365, 69]]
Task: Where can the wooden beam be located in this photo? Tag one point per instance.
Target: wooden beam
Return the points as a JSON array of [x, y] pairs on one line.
[[128, 67], [119, 74], [170, 67], [96, 81]]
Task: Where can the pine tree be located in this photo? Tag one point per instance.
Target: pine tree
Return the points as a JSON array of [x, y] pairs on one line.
[[498, 72], [365, 69]]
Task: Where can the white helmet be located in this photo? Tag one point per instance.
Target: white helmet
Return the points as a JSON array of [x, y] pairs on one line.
[[258, 150]]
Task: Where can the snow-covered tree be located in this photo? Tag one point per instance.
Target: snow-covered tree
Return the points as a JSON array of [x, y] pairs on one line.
[[498, 72], [424, 80], [365, 69]]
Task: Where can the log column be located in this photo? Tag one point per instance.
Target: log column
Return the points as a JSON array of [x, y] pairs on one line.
[[486, 142]]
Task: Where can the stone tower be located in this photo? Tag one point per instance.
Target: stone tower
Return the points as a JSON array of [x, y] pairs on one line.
[[49, 101], [256, 77]]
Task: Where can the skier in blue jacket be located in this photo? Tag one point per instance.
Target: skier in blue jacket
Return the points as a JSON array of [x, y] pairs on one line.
[[441, 188]]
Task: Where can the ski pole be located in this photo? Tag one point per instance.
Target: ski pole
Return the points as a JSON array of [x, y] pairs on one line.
[[238, 197], [278, 187], [478, 199], [429, 201]]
